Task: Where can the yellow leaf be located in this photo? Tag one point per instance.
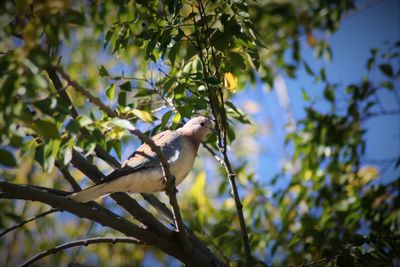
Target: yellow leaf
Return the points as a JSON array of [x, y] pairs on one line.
[[367, 173], [230, 81], [116, 133], [198, 190], [141, 114], [311, 40]]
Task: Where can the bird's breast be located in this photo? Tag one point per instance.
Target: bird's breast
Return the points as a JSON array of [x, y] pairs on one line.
[[181, 162]]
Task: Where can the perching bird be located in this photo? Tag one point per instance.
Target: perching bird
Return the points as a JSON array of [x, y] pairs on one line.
[[142, 172]]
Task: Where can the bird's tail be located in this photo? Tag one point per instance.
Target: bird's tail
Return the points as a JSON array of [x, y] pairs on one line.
[[90, 193]]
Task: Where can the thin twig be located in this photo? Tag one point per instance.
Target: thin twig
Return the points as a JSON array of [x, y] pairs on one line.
[[40, 215], [218, 158], [381, 113], [59, 87], [83, 242], [93, 99]]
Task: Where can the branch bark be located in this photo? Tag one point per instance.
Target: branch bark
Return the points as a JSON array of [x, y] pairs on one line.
[[106, 218], [84, 242], [16, 226]]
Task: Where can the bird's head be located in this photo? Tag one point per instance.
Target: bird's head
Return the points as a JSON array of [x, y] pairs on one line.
[[198, 127]]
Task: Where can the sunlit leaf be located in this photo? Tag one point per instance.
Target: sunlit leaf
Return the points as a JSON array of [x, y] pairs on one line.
[[110, 91], [230, 82], [142, 114]]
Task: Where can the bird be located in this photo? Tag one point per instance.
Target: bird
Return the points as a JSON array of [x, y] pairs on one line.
[[142, 171]]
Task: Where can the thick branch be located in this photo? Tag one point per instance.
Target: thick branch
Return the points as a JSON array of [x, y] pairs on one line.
[[84, 242], [123, 199], [106, 218], [27, 192]]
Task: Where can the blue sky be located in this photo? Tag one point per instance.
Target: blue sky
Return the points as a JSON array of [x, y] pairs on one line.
[[351, 45]]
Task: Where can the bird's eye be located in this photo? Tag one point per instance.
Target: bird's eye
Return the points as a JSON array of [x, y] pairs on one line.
[[202, 124]]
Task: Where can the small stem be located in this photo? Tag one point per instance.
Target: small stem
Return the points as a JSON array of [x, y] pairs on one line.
[[93, 99], [40, 215], [169, 184], [83, 242]]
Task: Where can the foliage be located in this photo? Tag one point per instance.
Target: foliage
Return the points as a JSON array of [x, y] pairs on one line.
[[156, 63]]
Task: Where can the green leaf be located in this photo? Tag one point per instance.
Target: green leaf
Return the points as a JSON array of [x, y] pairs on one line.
[[7, 158], [84, 120], [254, 58], [110, 91], [122, 99], [108, 36], [370, 62], [74, 17], [387, 84], [165, 119], [204, 20], [221, 40], [306, 97], [329, 94], [73, 126], [173, 52], [103, 71], [145, 92], [39, 154], [39, 57], [117, 147], [50, 154], [308, 69], [322, 74], [176, 120], [141, 114], [67, 150], [219, 229], [125, 124], [45, 128], [386, 69], [126, 86], [237, 60]]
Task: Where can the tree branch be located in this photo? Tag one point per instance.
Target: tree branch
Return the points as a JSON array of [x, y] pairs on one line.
[[83, 91], [96, 213], [95, 175], [170, 188], [170, 181], [123, 199], [27, 192], [40, 215], [83, 242], [70, 178], [59, 87], [143, 216], [216, 97]]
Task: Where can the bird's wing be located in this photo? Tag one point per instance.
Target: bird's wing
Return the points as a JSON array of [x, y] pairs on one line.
[[142, 158]]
